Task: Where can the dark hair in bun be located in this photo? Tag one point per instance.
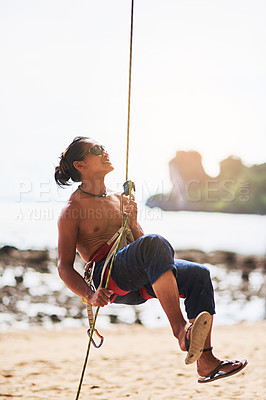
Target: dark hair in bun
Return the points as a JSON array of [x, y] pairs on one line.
[[66, 171]]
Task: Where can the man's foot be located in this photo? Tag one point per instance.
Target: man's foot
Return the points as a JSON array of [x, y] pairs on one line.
[[211, 368], [196, 336], [180, 335]]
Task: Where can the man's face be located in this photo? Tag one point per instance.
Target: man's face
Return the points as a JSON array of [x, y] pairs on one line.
[[97, 158]]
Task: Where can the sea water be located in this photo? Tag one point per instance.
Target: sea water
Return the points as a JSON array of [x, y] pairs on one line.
[[34, 226]]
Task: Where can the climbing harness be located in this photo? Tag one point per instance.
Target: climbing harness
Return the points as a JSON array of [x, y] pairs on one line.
[[108, 249], [117, 242]]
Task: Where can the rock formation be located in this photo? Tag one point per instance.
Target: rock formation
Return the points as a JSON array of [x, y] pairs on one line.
[[237, 188]]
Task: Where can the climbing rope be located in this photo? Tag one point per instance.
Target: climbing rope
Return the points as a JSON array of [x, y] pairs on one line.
[[128, 186], [129, 86]]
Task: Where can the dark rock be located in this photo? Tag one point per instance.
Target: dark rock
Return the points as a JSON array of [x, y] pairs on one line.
[[249, 263], [227, 258], [36, 259], [40, 316], [245, 276], [54, 318], [19, 279], [192, 255], [7, 250], [113, 319]]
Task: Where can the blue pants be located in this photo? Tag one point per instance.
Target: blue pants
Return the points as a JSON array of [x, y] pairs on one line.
[[138, 265]]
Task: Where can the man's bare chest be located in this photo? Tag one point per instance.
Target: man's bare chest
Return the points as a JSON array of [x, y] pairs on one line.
[[100, 216]]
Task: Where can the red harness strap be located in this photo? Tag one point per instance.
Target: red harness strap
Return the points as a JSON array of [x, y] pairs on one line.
[[114, 287], [120, 292], [97, 256], [144, 294], [101, 252]]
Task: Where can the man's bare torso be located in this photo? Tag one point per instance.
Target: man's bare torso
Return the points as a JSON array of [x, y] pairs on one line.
[[97, 219]]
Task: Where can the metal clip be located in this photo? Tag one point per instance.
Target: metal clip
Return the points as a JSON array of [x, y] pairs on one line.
[[126, 187], [99, 336]]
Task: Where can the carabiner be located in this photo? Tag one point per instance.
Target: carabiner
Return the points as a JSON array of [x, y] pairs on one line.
[[92, 340]]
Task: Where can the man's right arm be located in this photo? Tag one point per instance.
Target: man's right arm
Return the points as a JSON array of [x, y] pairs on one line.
[[67, 239]]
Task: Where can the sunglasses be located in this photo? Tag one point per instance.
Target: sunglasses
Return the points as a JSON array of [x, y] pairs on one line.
[[96, 150]]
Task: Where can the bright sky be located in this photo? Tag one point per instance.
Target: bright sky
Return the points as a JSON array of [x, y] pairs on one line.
[[198, 82]]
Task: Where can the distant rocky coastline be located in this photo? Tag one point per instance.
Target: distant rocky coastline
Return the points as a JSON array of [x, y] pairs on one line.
[[42, 260], [237, 189], [31, 292]]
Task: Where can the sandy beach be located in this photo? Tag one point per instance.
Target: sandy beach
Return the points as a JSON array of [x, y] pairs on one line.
[[134, 363]]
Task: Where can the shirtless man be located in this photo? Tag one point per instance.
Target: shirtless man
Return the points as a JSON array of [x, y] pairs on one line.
[[144, 269]]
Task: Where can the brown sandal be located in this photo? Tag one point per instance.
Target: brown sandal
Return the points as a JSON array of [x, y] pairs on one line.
[[199, 331], [217, 374]]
